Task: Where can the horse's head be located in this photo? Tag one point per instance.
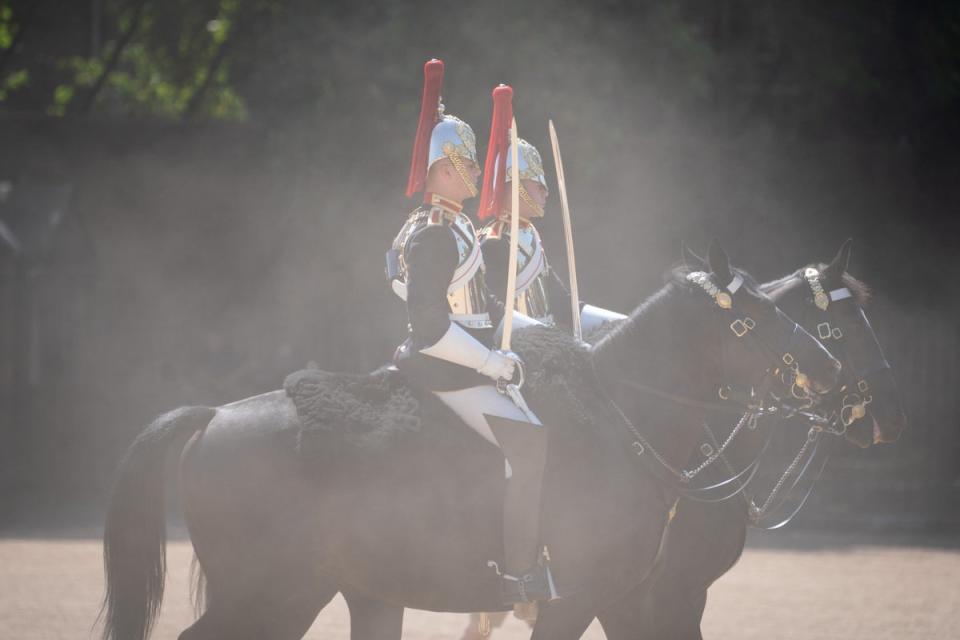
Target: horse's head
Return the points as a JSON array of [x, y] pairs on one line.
[[829, 301], [757, 338]]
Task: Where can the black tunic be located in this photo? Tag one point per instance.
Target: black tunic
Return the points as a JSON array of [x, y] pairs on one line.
[[496, 254], [431, 259]]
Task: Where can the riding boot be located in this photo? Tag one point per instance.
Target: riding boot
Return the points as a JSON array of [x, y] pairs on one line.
[[524, 444]]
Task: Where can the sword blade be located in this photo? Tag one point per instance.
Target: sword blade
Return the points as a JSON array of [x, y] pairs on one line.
[[568, 233], [508, 304], [513, 391]]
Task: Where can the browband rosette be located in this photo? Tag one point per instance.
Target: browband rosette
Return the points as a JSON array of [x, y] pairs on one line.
[[702, 280]]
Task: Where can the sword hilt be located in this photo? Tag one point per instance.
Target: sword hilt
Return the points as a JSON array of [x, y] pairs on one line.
[[518, 373]]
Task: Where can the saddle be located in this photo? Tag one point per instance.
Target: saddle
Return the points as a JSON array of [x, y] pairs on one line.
[[378, 410], [362, 410]]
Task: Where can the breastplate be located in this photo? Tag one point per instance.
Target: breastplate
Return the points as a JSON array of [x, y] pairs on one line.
[[532, 272], [466, 293]]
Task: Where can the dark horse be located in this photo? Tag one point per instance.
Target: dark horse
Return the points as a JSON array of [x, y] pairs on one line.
[[705, 539], [414, 524]]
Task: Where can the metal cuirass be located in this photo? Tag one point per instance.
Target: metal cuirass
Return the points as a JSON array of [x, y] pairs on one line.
[[466, 293], [532, 270]]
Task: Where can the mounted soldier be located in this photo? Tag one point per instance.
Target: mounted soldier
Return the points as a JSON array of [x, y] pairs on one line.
[[437, 267], [540, 292]]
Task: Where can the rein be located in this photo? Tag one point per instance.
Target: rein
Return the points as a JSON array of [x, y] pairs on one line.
[[749, 410], [809, 461]]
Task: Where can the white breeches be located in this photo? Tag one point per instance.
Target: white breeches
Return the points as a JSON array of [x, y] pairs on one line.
[[471, 405]]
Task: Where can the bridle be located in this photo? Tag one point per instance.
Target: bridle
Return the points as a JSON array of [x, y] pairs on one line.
[[783, 364], [748, 405], [852, 401], [854, 397]]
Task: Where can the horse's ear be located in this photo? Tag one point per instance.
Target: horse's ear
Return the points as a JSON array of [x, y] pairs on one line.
[[719, 263], [689, 258], [841, 262]]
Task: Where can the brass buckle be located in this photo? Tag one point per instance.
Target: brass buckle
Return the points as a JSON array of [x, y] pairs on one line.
[[823, 330], [739, 328]]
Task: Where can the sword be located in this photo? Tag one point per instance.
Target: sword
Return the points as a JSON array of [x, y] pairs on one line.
[[568, 232], [509, 389], [510, 301]]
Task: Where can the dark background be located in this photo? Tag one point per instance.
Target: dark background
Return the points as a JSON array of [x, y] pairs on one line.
[[196, 196]]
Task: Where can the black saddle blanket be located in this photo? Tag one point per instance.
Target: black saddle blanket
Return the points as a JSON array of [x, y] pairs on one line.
[[373, 411]]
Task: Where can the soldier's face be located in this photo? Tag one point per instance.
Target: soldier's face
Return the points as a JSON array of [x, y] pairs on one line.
[[538, 193], [445, 180], [536, 190], [472, 170]]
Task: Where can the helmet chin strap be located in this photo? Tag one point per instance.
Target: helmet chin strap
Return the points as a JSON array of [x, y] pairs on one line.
[[534, 207], [457, 163]]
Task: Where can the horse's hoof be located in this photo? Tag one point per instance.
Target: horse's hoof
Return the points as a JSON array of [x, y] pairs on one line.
[[525, 611]]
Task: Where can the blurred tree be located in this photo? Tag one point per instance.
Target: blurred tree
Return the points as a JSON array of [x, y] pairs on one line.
[[881, 67], [166, 59]]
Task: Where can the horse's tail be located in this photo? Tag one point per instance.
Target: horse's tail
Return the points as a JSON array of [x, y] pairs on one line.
[[135, 534]]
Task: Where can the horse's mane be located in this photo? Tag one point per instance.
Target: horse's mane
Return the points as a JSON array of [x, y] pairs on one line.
[[776, 288], [647, 323], [675, 279]]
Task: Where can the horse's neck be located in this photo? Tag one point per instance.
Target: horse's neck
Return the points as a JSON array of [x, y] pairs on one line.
[[657, 350]]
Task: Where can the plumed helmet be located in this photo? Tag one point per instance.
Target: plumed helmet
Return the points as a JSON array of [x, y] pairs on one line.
[[450, 136], [438, 135], [531, 165]]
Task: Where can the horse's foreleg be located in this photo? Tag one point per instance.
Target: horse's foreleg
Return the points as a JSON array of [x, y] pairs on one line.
[[373, 619], [666, 611], [564, 619]]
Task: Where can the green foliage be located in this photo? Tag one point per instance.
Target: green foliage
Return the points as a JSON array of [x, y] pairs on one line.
[[802, 68], [13, 81], [169, 53], [8, 28], [62, 96]]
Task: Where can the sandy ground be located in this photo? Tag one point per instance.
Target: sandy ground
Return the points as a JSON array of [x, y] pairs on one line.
[[807, 586]]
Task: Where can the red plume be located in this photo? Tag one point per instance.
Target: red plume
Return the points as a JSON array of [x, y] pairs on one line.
[[429, 111], [495, 165]]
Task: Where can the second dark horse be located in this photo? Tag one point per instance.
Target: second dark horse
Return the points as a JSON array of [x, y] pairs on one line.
[[706, 539]]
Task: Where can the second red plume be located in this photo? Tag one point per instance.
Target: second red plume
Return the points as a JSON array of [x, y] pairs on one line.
[[495, 165]]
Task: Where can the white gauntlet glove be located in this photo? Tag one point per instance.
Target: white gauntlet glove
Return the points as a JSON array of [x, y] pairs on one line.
[[460, 347], [500, 365]]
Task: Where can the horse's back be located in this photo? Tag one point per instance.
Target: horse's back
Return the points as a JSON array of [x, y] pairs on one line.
[[244, 456]]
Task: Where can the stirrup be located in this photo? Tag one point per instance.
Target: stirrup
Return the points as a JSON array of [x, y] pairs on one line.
[[533, 585]]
